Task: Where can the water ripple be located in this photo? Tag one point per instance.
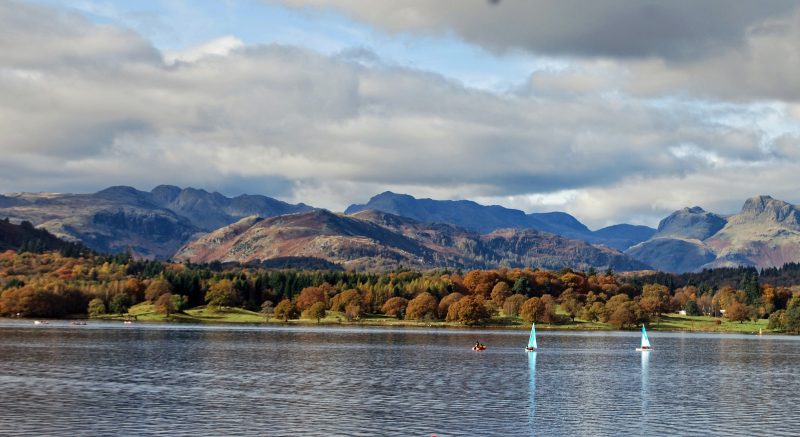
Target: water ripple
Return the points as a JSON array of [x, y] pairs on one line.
[[195, 380]]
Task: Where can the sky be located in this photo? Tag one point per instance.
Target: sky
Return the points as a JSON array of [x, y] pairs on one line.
[[613, 111]]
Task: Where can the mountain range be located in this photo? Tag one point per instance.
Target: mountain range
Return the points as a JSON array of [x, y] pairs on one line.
[[484, 219], [397, 229], [375, 240], [149, 224], [765, 233]]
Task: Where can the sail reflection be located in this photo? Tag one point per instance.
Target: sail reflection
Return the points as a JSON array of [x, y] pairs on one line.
[[645, 391], [532, 391]]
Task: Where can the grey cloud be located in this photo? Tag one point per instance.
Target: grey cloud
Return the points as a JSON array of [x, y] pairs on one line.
[[676, 29], [710, 48], [766, 66], [322, 130]]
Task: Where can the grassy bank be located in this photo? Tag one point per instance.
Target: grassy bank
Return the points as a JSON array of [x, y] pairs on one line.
[[144, 312]]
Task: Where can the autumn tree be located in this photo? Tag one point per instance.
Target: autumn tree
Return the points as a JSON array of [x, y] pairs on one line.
[[353, 311], [682, 297], [623, 315], [422, 307], [315, 311], [500, 293], [481, 282], [706, 304], [156, 288], [285, 310], [96, 307], [548, 314], [655, 299], [134, 288], [309, 296], [469, 310], [594, 312], [445, 303], [777, 321], [791, 317], [570, 303], [347, 297], [723, 297], [395, 307], [531, 310], [737, 312], [164, 304], [512, 305], [221, 294], [618, 311]]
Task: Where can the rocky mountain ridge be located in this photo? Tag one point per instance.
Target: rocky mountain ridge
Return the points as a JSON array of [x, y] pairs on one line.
[[375, 240], [765, 233], [484, 219], [149, 224]]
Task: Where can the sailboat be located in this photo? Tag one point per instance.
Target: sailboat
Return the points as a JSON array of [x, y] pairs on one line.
[[645, 342], [532, 340]]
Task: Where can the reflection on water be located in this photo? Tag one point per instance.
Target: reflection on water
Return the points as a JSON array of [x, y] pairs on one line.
[[532, 391], [106, 379], [645, 396]]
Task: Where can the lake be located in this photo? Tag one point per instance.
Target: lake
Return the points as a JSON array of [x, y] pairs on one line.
[[154, 379]]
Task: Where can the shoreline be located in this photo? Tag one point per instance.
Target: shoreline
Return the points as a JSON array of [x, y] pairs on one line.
[[667, 324]]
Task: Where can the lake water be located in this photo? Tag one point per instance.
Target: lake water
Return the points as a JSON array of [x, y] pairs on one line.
[[143, 379]]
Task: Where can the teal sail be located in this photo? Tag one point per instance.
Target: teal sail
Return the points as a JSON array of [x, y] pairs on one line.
[[645, 340], [532, 339]]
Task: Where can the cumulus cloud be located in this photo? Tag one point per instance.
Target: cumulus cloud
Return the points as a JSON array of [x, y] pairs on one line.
[[88, 106]]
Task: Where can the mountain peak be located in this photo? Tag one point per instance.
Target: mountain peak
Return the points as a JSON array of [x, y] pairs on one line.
[[694, 210], [690, 222], [759, 204], [766, 208], [165, 193], [123, 193]]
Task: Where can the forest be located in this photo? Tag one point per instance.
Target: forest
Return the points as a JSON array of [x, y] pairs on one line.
[[75, 283]]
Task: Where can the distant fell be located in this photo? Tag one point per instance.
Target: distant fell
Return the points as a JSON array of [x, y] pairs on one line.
[[150, 224], [484, 219], [377, 240], [765, 233]]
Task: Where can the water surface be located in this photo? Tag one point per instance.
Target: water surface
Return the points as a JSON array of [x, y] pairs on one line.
[[150, 379]]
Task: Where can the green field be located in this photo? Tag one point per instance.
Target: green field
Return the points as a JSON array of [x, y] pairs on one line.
[[673, 322]]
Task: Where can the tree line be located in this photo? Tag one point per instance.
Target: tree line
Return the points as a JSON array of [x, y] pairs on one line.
[[52, 284]]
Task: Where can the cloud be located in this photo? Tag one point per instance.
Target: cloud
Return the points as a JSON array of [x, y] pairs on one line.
[[764, 67], [90, 106], [711, 48], [678, 29], [221, 46]]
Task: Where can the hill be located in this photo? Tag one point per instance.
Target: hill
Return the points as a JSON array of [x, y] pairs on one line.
[[24, 237], [149, 224], [375, 240]]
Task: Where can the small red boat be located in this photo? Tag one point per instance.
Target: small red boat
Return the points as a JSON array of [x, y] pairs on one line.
[[479, 348]]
